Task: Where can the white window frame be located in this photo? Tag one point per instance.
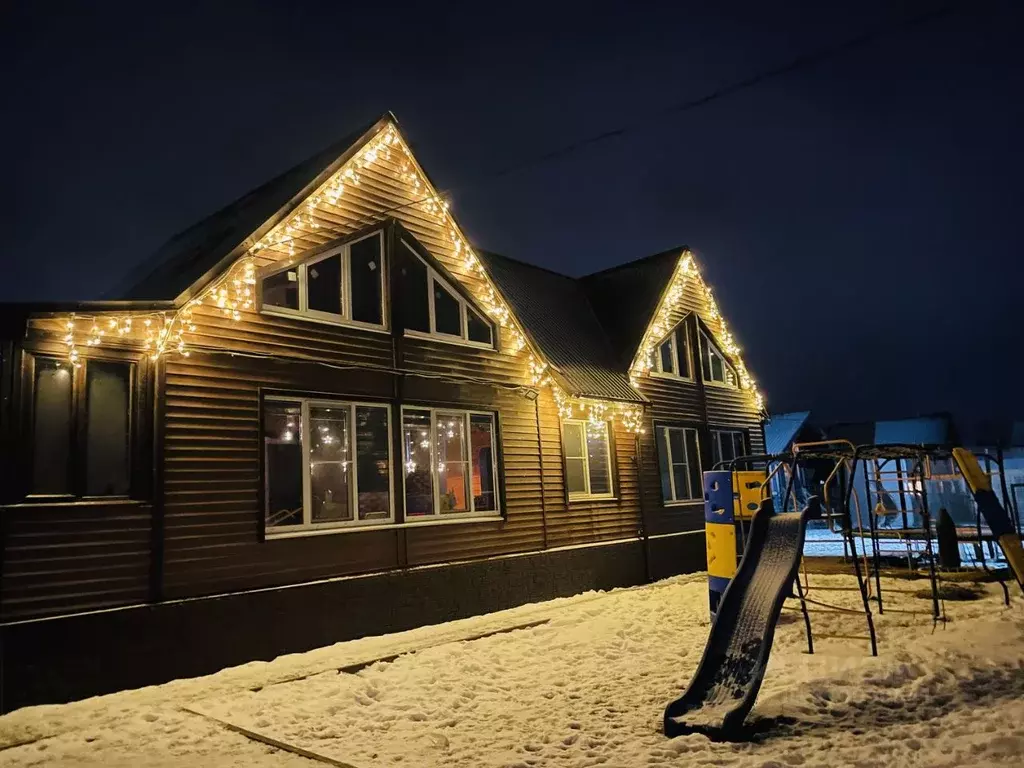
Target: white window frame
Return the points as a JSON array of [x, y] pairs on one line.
[[581, 495], [471, 513], [712, 348], [663, 431], [307, 526], [716, 441], [464, 308], [319, 316], [673, 338]]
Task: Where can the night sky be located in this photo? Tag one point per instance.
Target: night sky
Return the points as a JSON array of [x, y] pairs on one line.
[[859, 219]]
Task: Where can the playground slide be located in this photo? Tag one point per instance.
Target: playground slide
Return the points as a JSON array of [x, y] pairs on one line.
[[723, 691], [989, 507]]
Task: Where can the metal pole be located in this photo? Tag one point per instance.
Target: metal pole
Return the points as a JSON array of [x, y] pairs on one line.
[[926, 520], [876, 555], [1008, 502], [807, 616], [856, 559]]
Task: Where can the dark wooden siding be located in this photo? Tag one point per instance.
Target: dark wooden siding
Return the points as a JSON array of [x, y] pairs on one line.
[[211, 478], [68, 556], [64, 558], [212, 501]]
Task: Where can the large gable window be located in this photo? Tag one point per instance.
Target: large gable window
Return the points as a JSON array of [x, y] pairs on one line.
[[342, 285], [671, 357], [450, 461], [714, 366], [434, 308], [588, 463], [326, 464]]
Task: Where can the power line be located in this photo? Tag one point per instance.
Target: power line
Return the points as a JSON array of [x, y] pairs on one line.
[[803, 60]]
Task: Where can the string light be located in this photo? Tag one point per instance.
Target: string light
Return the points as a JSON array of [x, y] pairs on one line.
[[686, 270], [234, 293]]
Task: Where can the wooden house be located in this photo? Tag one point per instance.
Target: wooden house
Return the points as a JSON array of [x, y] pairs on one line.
[[321, 413]]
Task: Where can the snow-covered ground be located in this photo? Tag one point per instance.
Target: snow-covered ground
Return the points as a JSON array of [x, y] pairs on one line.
[[584, 688]]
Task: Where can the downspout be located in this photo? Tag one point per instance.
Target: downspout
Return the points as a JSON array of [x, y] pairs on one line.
[[540, 458], [645, 528]]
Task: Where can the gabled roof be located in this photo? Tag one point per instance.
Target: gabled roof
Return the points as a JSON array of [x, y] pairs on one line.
[[205, 248], [625, 298], [561, 323], [588, 329]]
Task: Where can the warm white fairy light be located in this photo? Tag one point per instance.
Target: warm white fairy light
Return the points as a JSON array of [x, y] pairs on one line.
[[597, 413], [686, 269], [234, 293]]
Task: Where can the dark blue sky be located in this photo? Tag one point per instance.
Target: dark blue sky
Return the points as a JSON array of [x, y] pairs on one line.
[[858, 219]]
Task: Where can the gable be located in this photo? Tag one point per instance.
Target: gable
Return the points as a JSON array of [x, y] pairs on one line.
[[685, 291]]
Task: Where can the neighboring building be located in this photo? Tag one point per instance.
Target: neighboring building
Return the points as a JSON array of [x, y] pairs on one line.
[[319, 414]]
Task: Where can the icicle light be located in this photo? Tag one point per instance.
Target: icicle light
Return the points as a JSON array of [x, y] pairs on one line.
[[686, 269], [166, 333]]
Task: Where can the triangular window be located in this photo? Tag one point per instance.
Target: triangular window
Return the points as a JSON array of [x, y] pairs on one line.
[[714, 367], [434, 308], [671, 356]]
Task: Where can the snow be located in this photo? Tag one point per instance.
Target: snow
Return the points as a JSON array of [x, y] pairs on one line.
[[585, 688]]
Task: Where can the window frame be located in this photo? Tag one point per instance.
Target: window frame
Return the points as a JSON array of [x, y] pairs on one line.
[[661, 431], [706, 341], [436, 514], [307, 527], [573, 496], [677, 358], [78, 426], [465, 306], [311, 258], [715, 436]]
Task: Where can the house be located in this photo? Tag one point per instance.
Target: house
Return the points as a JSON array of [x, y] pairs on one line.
[[321, 413]]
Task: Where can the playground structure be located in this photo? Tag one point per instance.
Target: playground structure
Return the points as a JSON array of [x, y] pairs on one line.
[[747, 601]]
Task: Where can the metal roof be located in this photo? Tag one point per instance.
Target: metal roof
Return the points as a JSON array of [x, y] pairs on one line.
[[587, 328], [202, 249], [922, 430], [781, 428], [560, 321], [625, 298]]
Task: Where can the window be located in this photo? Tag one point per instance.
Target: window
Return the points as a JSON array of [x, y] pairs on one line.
[[679, 461], [81, 428], [726, 445], [326, 464], [450, 462], [445, 313], [672, 355], [344, 285], [714, 366], [588, 463]]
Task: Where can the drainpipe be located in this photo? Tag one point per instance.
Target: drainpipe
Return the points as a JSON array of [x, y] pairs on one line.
[[645, 527]]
